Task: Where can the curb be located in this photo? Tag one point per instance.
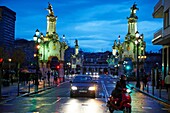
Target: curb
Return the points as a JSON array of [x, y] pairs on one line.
[[150, 95]]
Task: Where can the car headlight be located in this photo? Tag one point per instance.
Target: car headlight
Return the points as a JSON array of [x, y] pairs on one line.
[[92, 88], [74, 88]]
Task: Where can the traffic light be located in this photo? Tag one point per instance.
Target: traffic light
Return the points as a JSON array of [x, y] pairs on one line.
[[57, 67], [1, 60], [127, 67]]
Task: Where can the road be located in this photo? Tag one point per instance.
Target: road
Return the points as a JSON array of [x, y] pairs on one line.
[[57, 100]]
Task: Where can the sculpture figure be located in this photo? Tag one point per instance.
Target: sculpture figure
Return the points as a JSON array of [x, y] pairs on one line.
[[50, 9]]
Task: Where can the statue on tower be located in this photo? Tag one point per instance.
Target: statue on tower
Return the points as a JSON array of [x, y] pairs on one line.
[[76, 42], [50, 9]]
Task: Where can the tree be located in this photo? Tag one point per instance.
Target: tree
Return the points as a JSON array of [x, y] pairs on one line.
[[18, 57]]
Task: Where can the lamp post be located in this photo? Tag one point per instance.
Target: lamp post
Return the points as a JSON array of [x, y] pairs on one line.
[[9, 60], [137, 42], [37, 42], [1, 62]]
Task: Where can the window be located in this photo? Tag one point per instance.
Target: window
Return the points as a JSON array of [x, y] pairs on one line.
[[166, 19]]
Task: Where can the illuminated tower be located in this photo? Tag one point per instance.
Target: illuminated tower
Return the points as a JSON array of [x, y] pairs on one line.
[[51, 20], [76, 47], [50, 46], [132, 21]]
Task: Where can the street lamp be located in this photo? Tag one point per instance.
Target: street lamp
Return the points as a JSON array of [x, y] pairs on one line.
[[37, 40], [137, 42]]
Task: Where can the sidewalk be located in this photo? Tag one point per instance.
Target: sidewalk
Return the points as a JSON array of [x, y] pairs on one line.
[[149, 90], [23, 89]]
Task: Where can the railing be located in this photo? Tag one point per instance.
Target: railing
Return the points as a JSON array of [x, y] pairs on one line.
[[158, 34]]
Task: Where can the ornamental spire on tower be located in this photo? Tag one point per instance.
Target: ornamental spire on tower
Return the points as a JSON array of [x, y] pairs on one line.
[[50, 9], [51, 21], [132, 20], [76, 47]]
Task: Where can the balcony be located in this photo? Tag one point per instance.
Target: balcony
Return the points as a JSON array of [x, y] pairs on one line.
[[157, 37], [158, 9]]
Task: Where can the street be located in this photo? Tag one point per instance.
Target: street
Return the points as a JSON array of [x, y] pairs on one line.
[[57, 100]]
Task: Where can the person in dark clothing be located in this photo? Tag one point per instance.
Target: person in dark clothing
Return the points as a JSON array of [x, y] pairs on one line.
[[117, 92], [48, 76], [145, 80], [123, 81]]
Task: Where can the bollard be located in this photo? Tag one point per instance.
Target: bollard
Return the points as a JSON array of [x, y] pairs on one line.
[[44, 84], [18, 88], [160, 87], [148, 87], [152, 90], [29, 87]]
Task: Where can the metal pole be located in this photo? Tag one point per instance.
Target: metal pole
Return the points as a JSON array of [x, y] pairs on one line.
[[29, 86], [153, 80], [160, 89], [37, 69], [148, 87], [137, 66], [0, 80], [18, 87]]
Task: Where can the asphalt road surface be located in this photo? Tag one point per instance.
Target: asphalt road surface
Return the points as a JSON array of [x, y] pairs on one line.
[[57, 100]]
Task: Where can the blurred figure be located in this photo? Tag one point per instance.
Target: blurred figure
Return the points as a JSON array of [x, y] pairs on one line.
[[117, 92], [123, 81], [167, 81], [48, 76], [145, 80]]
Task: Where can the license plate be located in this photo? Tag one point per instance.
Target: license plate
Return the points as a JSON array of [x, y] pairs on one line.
[[82, 91]]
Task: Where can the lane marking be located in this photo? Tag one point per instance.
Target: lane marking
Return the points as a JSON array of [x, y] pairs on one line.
[[33, 112], [147, 107], [28, 104], [8, 104], [51, 103], [166, 109]]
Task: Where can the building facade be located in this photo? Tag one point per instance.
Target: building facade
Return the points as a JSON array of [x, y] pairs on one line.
[[7, 28], [96, 63], [162, 36]]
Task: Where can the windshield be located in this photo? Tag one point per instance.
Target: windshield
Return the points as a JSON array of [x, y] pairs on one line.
[[82, 79]]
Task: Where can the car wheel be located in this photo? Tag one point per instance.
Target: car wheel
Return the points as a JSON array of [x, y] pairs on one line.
[[93, 95], [71, 95]]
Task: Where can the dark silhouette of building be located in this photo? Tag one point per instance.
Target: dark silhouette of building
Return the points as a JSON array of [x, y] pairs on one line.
[[7, 28]]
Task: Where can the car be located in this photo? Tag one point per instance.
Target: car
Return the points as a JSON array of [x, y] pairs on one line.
[[83, 85]]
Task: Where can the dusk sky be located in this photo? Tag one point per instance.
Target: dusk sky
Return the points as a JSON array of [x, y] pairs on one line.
[[94, 23]]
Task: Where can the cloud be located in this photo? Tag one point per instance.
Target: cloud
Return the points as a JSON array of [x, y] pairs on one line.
[[95, 23]]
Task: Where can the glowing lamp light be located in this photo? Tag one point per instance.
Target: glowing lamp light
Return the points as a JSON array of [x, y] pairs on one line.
[[1, 60], [37, 32], [38, 46], [35, 37], [137, 34], [39, 40]]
